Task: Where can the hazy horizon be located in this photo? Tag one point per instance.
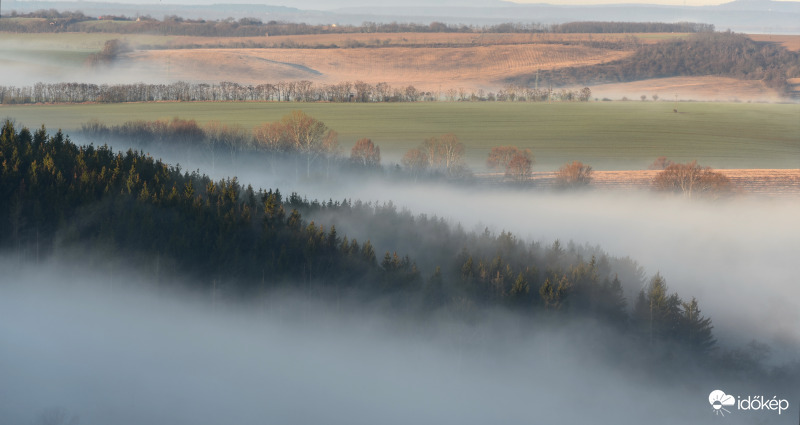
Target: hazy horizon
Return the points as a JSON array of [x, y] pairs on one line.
[[330, 5]]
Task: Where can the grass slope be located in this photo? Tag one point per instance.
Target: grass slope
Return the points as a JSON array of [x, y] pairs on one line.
[[607, 135]]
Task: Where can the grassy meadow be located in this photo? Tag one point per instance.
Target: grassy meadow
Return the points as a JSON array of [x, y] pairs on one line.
[[606, 135]]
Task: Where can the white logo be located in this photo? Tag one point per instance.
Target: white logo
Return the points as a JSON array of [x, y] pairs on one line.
[[719, 400]]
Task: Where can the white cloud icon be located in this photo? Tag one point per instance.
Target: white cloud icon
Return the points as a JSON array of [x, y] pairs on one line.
[[719, 400]]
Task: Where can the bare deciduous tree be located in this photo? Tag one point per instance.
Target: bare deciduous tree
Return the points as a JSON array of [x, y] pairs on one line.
[[516, 162], [660, 163], [691, 179], [445, 152], [365, 153], [271, 136], [305, 133], [520, 167], [415, 161], [573, 175]]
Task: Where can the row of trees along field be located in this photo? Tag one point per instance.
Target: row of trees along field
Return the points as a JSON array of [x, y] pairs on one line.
[[314, 150], [247, 241], [723, 54], [282, 91], [298, 138], [55, 21]]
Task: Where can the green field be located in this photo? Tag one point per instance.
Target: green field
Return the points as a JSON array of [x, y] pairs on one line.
[[606, 135]]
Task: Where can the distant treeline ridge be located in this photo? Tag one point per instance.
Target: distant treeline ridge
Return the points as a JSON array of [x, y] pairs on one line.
[[55, 21]]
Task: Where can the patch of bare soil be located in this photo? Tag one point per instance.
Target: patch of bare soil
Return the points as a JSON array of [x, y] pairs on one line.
[[777, 183], [705, 88], [427, 69], [791, 42]]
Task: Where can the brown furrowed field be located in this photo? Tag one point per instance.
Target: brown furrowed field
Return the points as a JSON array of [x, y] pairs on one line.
[[702, 88], [759, 182], [791, 42], [448, 67], [468, 61], [392, 40]]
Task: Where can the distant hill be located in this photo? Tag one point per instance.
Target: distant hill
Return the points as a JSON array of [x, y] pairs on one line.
[[751, 16], [722, 54], [762, 6]]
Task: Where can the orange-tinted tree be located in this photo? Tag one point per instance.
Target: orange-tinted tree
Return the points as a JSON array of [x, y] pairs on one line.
[[519, 168], [445, 152], [660, 163], [365, 153], [271, 136], [306, 135], [516, 162], [500, 156], [573, 175], [691, 179], [415, 161]]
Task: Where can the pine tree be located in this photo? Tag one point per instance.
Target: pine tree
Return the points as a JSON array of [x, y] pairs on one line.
[[696, 330], [658, 312], [368, 253], [614, 306], [520, 289]]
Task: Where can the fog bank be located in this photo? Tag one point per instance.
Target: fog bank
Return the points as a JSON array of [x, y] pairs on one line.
[[737, 256], [114, 350]]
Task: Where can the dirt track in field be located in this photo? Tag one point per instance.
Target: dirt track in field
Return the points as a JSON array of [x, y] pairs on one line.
[[776, 183], [705, 88]]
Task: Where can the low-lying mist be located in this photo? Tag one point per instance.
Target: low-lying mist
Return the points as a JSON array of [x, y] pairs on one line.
[[736, 256], [103, 335], [113, 348], [28, 60]]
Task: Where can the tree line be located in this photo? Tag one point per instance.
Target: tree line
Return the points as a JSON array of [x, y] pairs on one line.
[[75, 21], [690, 179], [601, 27], [249, 241], [723, 54], [282, 91], [312, 149], [297, 140], [300, 142]]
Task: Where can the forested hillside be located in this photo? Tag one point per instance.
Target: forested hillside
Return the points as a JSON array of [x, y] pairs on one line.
[[58, 194], [723, 54]]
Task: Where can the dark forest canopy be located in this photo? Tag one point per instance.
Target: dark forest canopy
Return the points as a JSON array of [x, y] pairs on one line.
[[56, 21], [56, 193]]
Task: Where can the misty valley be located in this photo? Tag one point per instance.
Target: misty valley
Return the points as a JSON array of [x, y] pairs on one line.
[[412, 289], [366, 214]]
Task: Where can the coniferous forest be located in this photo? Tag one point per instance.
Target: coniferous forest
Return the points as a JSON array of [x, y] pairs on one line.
[[460, 262], [222, 240], [254, 240]]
